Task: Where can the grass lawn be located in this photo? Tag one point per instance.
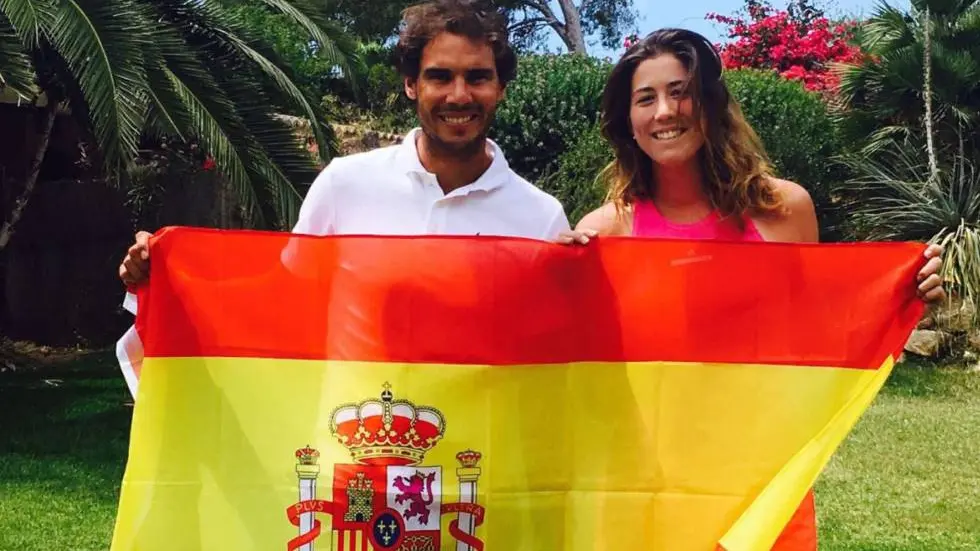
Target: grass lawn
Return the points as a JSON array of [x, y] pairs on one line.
[[906, 479], [64, 432]]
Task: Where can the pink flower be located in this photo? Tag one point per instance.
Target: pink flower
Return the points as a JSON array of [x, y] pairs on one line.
[[795, 72], [795, 49]]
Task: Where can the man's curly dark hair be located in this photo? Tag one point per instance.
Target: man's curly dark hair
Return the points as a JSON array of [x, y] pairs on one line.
[[472, 19]]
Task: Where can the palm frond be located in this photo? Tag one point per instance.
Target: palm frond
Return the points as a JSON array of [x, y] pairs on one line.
[[167, 114], [180, 69], [279, 190], [960, 270], [886, 136], [959, 31], [901, 69], [29, 18], [968, 22], [943, 9], [232, 90], [960, 62], [280, 160], [16, 72], [229, 48], [853, 83], [888, 92], [887, 29], [215, 123], [333, 42], [102, 44], [285, 85], [965, 115], [286, 147]]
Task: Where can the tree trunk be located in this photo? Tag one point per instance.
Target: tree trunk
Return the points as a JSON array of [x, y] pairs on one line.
[[572, 32], [927, 92], [49, 113]]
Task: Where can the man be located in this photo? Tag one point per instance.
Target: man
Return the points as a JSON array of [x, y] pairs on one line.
[[446, 177]]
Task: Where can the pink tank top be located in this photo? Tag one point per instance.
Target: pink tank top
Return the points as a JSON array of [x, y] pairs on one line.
[[648, 222]]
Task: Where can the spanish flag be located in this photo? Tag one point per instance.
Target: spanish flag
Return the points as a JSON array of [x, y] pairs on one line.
[[357, 393]]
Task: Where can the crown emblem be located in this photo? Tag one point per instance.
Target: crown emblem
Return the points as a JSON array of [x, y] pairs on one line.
[[307, 456], [388, 431], [468, 459]]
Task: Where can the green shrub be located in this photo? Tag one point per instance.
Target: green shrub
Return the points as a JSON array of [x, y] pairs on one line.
[[380, 102], [799, 135], [384, 91], [553, 101], [575, 182]]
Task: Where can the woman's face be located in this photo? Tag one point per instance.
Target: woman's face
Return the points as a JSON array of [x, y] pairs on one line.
[[662, 112]]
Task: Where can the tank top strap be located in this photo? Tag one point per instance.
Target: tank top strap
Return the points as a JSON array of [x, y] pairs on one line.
[[751, 232]]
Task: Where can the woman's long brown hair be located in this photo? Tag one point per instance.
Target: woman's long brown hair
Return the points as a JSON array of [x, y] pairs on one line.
[[735, 166]]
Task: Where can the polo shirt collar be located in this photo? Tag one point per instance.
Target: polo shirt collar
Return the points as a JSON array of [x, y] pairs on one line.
[[495, 176]]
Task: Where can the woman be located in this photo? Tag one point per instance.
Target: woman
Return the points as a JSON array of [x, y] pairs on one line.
[[689, 166], [687, 163]]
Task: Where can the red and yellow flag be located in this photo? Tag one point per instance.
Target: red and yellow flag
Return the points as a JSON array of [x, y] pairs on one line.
[[474, 393]]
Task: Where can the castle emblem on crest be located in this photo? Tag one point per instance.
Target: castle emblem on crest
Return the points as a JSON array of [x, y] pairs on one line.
[[386, 500]]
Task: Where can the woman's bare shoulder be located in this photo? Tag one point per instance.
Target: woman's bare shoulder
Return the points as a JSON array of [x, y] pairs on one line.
[[794, 196], [605, 220], [796, 221]]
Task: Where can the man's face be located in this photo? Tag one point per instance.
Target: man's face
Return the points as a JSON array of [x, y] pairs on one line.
[[456, 93]]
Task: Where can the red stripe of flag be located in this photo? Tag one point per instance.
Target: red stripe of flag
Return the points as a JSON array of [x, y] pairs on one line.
[[479, 300]]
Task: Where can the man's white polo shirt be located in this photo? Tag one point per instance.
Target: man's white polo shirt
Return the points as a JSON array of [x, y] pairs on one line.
[[387, 191]]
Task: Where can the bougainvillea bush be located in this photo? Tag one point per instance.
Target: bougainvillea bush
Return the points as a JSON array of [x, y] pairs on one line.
[[800, 43]]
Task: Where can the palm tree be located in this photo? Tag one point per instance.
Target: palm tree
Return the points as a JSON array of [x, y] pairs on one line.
[[885, 96], [176, 69], [915, 104]]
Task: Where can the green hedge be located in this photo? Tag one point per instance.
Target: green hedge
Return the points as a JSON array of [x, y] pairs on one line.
[[553, 101], [574, 182], [799, 134]]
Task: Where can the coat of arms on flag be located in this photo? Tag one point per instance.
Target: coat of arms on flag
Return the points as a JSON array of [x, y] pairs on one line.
[[386, 499]]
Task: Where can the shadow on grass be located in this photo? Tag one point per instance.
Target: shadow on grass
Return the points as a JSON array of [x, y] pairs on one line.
[[65, 423], [922, 378]]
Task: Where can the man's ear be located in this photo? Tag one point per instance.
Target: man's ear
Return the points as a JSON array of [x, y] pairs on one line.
[[410, 88]]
